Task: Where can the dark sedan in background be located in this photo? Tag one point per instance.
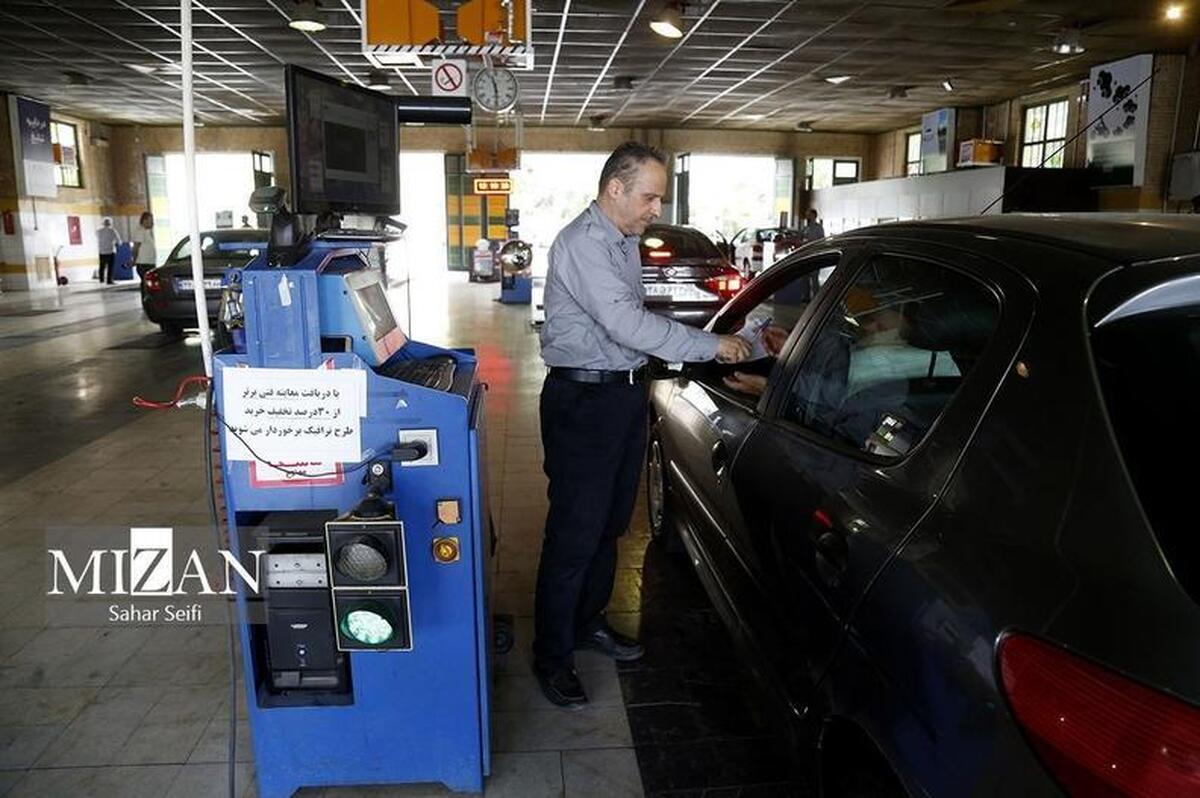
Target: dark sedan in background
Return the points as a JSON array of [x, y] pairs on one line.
[[686, 277], [941, 512], [167, 292]]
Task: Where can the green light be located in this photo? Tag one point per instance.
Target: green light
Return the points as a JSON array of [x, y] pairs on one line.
[[368, 625]]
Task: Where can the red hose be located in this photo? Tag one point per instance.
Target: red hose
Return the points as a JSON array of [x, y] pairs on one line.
[[148, 404]]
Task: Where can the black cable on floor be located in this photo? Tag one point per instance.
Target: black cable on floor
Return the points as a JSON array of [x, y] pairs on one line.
[[230, 643]]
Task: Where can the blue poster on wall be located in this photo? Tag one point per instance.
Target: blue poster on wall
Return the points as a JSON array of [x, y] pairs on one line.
[[34, 150]]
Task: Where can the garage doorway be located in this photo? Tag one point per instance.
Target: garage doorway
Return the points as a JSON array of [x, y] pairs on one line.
[[224, 182], [549, 190], [729, 192], [417, 263]]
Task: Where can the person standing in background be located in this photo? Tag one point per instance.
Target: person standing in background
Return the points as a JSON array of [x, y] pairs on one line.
[[812, 230], [145, 256], [107, 240]]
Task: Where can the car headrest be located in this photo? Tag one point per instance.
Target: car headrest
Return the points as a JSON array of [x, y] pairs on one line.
[[956, 322]]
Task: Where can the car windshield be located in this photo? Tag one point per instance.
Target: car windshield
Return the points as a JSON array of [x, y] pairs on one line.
[[776, 233], [1149, 370], [242, 245], [677, 244]]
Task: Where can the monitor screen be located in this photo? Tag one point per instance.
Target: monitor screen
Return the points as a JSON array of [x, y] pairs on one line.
[[342, 141], [375, 314]]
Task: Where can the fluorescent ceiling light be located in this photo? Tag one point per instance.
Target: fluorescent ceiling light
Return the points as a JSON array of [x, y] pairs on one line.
[[804, 127], [397, 59], [307, 18], [1174, 12], [947, 85], [596, 124], [668, 23], [145, 69], [837, 80]]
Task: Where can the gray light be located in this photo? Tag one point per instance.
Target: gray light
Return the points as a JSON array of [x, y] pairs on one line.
[[379, 79], [307, 18], [361, 560]]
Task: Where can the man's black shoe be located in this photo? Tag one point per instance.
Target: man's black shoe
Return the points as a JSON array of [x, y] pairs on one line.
[[610, 642], [561, 687]]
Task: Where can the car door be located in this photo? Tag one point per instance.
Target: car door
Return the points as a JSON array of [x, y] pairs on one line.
[[864, 428], [742, 245], [709, 419]]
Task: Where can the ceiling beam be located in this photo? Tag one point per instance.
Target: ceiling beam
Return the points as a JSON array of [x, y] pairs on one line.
[[164, 58], [611, 56], [778, 60], [200, 47], [733, 51], [562, 29], [645, 81]]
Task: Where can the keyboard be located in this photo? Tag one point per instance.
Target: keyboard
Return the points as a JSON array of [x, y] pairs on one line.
[[432, 372]]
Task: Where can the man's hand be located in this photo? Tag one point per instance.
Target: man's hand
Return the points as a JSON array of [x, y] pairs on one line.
[[773, 339], [732, 349], [753, 384]]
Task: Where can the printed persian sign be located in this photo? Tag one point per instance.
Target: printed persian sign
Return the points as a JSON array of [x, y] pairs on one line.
[[289, 415]]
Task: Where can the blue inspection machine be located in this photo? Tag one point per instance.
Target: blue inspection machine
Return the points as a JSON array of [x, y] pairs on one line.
[[366, 647]]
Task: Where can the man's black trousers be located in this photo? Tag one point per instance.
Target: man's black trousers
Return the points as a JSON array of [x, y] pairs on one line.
[[594, 442], [106, 267]]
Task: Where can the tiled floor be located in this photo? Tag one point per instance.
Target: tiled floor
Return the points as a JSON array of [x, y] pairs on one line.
[[120, 711], [142, 711]]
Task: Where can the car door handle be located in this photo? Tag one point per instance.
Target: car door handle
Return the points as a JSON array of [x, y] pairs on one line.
[[832, 555], [720, 457]]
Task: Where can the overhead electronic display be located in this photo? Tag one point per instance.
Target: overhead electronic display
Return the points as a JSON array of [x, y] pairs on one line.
[[343, 144]]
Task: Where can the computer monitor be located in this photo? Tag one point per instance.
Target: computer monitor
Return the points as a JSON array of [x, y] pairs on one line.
[[371, 304], [343, 146]]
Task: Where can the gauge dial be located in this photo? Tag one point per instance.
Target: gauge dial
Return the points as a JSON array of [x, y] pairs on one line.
[[496, 90]]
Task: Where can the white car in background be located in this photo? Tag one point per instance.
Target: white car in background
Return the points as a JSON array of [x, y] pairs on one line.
[[755, 248]]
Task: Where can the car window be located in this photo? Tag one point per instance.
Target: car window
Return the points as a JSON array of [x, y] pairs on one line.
[[231, 249], [1147, 357], [767, 317], [676, 244], [891, 355]]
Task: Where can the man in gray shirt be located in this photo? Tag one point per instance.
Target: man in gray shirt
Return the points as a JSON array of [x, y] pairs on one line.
[[596, 339], [107, 240]]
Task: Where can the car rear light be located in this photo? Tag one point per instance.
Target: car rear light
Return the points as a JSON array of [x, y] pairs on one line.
[[725, 285], [1098, 732], [661, 253], [152, 282]]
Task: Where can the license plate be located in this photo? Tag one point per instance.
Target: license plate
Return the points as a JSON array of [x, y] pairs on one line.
[[678, 292], [210, 284]]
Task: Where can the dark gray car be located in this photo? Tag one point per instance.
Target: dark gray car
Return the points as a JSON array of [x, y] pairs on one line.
[[167, 293], [941, 511], [685, 276]]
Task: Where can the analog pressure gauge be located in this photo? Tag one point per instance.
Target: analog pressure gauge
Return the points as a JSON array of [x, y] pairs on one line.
[[496, 90]]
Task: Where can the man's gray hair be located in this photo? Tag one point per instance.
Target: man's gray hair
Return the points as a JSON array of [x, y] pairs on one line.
[[625, 160]]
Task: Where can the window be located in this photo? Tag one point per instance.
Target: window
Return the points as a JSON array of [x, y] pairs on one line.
[[891, 356], [826, 172], [63, 137], [677, 243], [913, 154], [766, 314], [1148, 364], [1045, 132], [233, 246]]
